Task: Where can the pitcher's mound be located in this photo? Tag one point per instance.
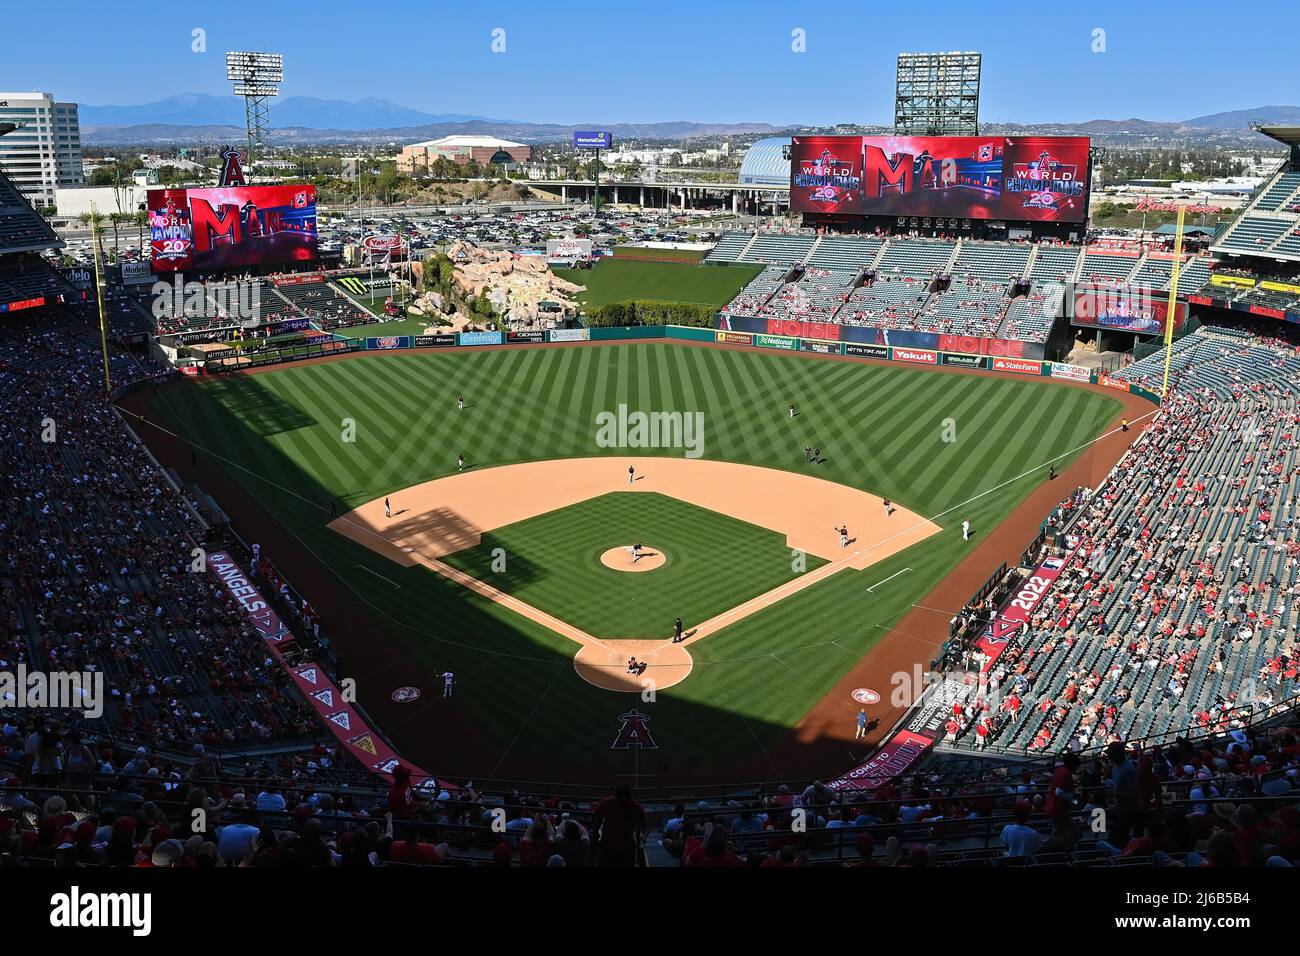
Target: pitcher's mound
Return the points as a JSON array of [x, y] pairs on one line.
[[620, 559]]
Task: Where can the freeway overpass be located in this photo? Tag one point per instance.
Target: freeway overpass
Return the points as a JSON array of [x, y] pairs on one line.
[[739, 198]]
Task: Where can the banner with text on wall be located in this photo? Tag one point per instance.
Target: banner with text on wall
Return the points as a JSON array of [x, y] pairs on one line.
[[324, 696], [833, 332]]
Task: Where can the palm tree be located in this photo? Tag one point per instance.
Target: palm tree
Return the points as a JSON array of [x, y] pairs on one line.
[[141, 219]]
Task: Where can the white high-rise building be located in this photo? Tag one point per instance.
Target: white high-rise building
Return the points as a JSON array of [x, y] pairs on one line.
[[44, 153]]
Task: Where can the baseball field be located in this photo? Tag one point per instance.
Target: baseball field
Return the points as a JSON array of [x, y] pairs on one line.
[[515, 570]]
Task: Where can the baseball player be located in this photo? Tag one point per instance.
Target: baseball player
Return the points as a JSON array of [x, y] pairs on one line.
[[1123, 424], [631, 474], [1051, 472], [447, 679], [460, 403], [677, 631], [888, 506], [807, 452], [636, 552], [388, 508], [460, 462], [844, 535], [792, 412], [965, 529], [862, 725], [817, 456]]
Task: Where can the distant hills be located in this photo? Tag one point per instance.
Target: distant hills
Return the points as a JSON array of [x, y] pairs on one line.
[[203, 109], [310, 121]]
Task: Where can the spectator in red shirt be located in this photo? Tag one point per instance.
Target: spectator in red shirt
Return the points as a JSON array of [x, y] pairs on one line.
[[618, 828]]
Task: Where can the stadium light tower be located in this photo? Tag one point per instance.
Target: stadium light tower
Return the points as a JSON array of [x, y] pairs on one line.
[[937, 94], [256, 77]]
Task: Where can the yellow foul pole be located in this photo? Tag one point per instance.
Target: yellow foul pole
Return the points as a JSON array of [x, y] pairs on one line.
[[99, 292], [1173, 301]]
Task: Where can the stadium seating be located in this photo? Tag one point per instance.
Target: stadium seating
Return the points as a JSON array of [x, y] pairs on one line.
[[778, 249], [1278, 191], [994, 260], [1178, 610], [915, 256], [815, 297], [1107, 267], [846, 253], [753, 298], [1030, 317], [324, 305], [729, 247], [1055, 263], [1255, 233]]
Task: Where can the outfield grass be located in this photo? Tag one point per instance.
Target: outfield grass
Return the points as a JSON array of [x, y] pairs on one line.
[[714, 563], [410, 326], [617, 280], [880, 429]]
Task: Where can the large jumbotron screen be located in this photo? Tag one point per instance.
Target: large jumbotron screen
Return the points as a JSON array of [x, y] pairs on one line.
[[213, 230], [967, 177]]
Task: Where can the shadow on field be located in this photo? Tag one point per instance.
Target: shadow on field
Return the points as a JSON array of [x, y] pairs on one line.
[[260, 409]]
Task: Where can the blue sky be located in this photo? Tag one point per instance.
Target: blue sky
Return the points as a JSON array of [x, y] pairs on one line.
[[706, 60]]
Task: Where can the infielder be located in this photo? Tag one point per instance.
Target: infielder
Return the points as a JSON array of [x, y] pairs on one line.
[[965, 529], [460, 462], [388, 508], [631, 474], [677, 631], [844, 535]]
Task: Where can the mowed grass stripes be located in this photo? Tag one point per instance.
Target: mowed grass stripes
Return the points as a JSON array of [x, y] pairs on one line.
[[712, 563], [283, 436]]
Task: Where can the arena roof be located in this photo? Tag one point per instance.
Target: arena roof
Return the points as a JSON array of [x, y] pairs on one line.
[[767, 163], [465, 142]]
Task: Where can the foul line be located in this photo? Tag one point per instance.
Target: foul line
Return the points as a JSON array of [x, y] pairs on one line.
[[887, 580], [395, 585]]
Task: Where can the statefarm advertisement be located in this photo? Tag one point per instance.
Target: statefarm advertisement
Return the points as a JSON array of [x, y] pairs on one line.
[[215, 230], [1042, 178]]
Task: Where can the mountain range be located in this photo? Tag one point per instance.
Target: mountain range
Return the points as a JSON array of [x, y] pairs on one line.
[[306, 120]]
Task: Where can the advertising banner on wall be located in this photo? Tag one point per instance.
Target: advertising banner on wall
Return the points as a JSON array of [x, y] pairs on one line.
[[866, 351], [776, 342], [389, 342], [821, 348], [1019, 366], [480, 338], [569, 335], [1075, 373], [895, 757], [433, 341]]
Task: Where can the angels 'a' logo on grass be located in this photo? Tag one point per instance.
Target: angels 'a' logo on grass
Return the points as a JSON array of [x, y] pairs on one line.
[[404, 695], [634, 733]]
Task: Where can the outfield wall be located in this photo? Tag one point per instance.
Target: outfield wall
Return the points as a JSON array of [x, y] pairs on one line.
[[875, 335], [956, 357]]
